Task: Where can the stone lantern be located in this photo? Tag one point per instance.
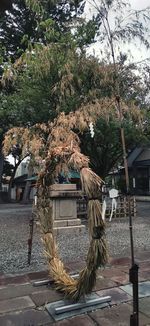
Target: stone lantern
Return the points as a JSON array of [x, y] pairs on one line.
[[64, 199]]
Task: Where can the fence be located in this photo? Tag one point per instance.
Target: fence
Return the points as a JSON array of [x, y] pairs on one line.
[[121, 211]]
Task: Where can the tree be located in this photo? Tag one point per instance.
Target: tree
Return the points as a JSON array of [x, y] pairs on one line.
[[134, 28], [20, 27], [119, 24], [8, 169], [5, 5], [6, 119], [56, 76], [68, 87], [31, 141], [31, 21], [22, 142], [105, 150], [76, 81]]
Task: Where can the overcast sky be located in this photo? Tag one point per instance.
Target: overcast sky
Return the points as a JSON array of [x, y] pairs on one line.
[[138, 51], [140, 4], [141, 53]]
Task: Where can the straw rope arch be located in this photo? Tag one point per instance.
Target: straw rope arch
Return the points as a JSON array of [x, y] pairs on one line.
[[63, 153]]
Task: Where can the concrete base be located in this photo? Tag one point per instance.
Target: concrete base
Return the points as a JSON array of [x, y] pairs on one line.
[[65, 223], [76, 230], [64, 309]]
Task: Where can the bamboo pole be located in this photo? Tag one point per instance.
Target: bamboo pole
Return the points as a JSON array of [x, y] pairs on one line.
[[134, 320]]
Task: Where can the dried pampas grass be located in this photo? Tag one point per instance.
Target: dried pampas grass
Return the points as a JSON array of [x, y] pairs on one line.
[[91, 182], [63, 154], [97, 254], [94, 213], [78, 160]]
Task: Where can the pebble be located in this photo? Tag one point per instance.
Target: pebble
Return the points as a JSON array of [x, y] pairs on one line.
[[15, 232]]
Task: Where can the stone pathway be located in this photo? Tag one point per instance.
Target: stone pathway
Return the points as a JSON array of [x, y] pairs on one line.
[[22, 304]]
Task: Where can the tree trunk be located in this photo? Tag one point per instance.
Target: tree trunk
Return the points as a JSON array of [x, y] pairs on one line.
[[26, 193], [1, 170]]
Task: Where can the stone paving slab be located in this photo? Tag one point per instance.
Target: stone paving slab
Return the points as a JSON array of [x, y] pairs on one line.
[[76, 321], [122, 261], [144, 275], [103, 283], [107, 284], [110, 272], [29, 317], [117, 295], [144, 289], [33, 276], [40, 298], [144, 266], [118, 268], [144, 306], [19, 279], [120, 280], [140, 257], [117, 316], [75, 266], [16, 304], [13, 291]]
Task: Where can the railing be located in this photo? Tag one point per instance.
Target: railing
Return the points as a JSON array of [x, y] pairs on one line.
[[121, 211]]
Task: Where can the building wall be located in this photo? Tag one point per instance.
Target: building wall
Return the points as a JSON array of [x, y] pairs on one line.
[[142, 180], [5, 187], [32, 193], [22, 169], [145, 155]]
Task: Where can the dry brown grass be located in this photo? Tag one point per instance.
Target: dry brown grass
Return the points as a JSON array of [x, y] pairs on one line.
[[64, 153]]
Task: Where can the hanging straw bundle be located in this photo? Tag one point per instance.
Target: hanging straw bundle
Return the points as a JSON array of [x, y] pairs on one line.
[[97, 254], [91, 184]]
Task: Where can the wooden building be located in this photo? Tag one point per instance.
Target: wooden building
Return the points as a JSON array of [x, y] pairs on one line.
[[139, 172]]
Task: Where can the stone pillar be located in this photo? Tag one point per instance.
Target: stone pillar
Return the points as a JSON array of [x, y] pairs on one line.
[[64, 198]]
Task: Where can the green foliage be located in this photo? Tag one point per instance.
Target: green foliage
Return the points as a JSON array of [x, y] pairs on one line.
[[8, 169], [85, 34], [105, 150], [7, 115], [17, 22], [29, 22], [5, 5]]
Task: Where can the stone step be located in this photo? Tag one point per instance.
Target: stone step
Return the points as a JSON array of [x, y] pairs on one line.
[[76, 229]]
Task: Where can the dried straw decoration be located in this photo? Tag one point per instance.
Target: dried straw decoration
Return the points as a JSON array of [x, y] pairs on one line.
[[64, 153]]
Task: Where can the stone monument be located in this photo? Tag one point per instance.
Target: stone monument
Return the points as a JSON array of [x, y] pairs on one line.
[[64, 198]]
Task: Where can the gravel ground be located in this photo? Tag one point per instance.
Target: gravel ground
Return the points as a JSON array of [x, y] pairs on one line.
[[14, 223]]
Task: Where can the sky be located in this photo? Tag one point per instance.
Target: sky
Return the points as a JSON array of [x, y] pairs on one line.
[[139, 4], [138, 51]]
